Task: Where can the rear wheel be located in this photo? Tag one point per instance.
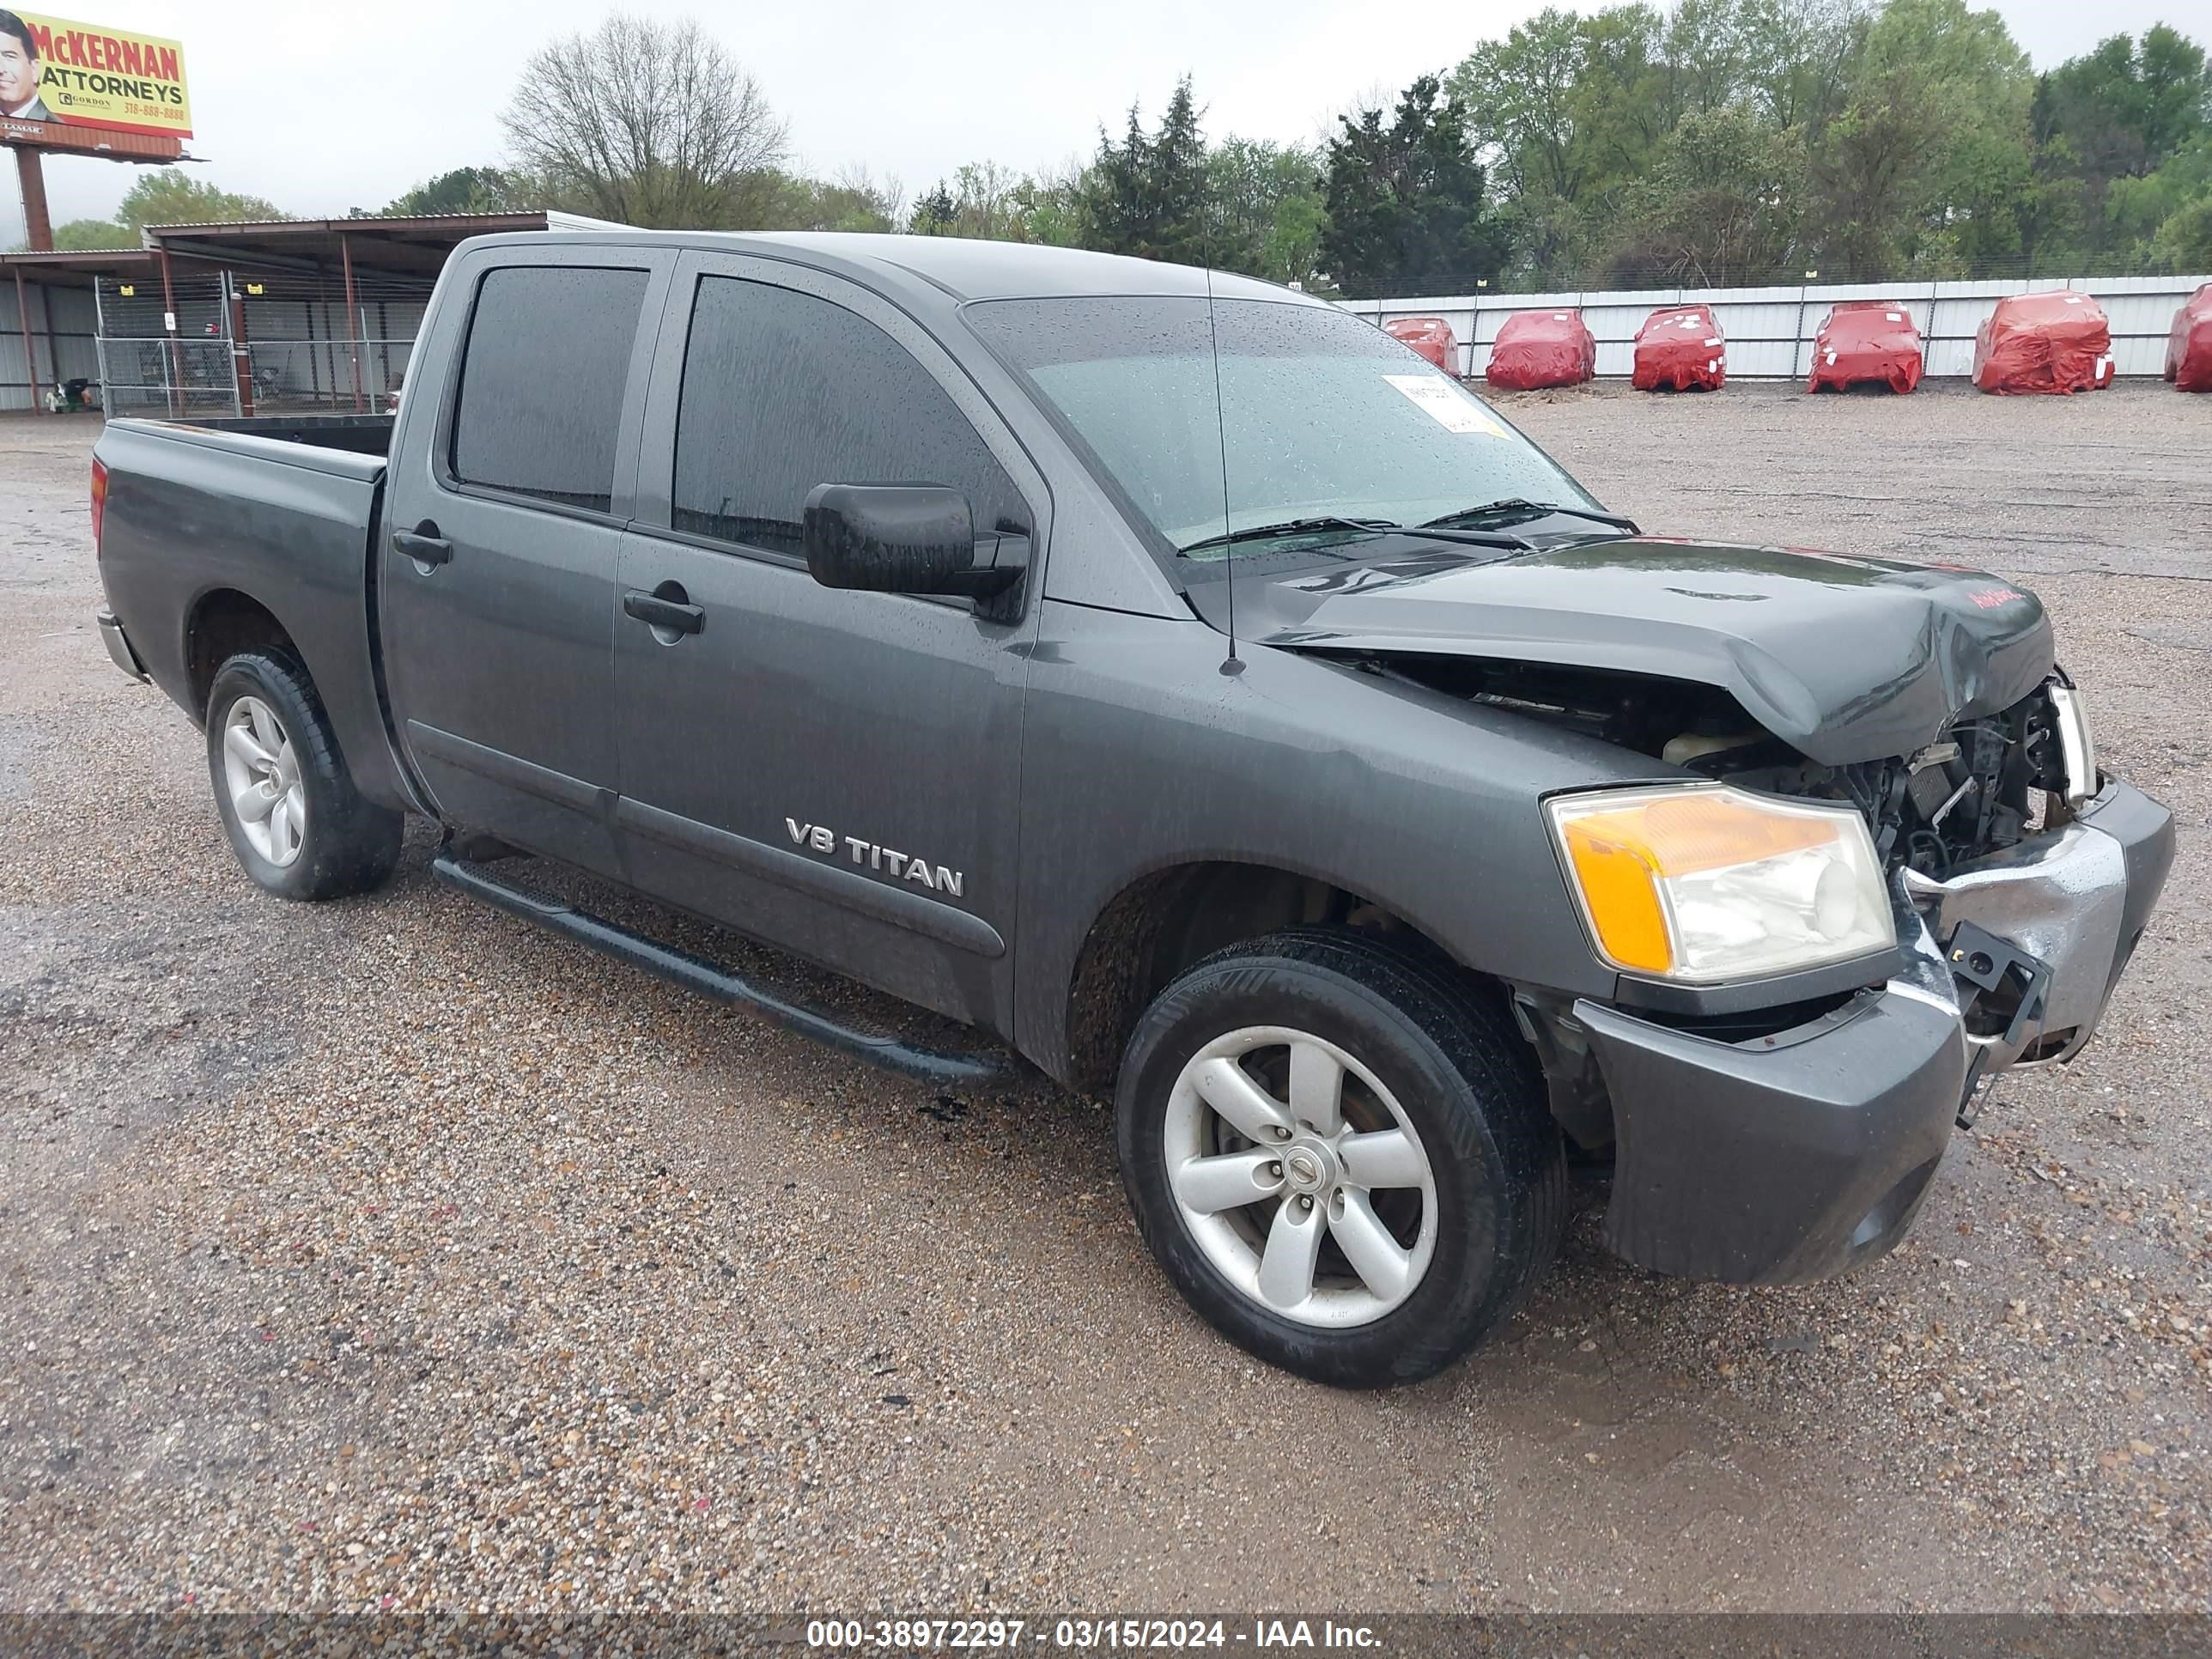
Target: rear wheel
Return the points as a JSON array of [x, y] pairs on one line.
[[295, 819], [1340, 1153]]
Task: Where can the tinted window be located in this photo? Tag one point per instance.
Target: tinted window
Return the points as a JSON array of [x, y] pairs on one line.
[[783, 391], [542, 382]]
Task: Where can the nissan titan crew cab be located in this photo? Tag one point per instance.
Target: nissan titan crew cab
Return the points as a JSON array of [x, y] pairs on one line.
[[1378, 825]]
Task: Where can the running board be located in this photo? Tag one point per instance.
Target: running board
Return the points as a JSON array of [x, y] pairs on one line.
[[693, 974]]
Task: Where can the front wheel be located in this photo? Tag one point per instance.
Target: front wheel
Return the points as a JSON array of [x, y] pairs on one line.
[[1340, 1153], [288, 805]]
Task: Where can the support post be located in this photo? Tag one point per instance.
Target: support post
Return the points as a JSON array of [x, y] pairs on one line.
[[314, 357], [46, 322], [30, 351], [38, 225], [169, 326], [241, 360], [100, 344], [353, 317]]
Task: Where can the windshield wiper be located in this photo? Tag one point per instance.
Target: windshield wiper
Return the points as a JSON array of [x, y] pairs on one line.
[[1268, 532], [1504, 540], [1524, 510]]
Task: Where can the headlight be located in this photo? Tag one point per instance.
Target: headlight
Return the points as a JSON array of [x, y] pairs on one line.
[[2075, 747], [1701, 882]]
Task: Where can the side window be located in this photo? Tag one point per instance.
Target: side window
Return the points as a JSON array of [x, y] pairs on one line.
[[783, 391], [542, 382]]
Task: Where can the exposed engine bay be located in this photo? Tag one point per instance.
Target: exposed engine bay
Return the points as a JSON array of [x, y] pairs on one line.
[[1985, 785], [1981, 787]]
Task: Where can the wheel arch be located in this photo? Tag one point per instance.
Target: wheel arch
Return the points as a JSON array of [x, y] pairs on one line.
[[1164, 920], [221, 622]]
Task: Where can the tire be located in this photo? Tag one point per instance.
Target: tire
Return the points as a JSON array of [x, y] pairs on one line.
[[316, 837], [1419, 1046]]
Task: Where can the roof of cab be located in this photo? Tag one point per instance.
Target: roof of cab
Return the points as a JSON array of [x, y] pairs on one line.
[[964, 269]]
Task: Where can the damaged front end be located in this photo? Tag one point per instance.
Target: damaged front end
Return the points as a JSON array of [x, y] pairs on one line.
[[1786, 1130], [1777, 1125]]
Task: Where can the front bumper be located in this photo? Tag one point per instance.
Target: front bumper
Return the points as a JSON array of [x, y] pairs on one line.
[[1803, 1154], [118, 647]]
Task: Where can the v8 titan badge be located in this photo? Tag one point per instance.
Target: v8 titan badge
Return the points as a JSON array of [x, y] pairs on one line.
[[1446, 405]]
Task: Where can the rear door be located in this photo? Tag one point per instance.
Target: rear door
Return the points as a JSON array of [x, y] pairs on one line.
[[834, 772], [502, 536]]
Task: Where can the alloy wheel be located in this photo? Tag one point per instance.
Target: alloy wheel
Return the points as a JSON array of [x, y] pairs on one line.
[[1300, 1177], [262, 773]]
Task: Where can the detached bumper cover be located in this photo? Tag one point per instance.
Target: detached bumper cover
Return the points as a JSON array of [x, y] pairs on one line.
[[118, 647], [1781, 1160], [1800, 1156]]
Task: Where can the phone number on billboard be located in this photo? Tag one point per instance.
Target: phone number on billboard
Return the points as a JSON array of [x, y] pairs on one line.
[[1114, 1634]]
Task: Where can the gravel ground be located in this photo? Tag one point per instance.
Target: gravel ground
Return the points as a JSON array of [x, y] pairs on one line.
[[390, 1253]]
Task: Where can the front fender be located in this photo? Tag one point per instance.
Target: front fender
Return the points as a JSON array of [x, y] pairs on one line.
[[1141, 754]]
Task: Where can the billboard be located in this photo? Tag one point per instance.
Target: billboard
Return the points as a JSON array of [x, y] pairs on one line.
[[59, 73]]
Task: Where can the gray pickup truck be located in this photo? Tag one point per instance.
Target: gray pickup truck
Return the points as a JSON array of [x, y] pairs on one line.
[[1181, 682]]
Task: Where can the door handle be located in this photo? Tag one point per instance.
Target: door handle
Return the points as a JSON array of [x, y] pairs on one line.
[[423, 544], [659, 609]]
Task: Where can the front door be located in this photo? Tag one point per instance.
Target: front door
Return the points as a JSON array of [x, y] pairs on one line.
[[502, 537], [834, 772]]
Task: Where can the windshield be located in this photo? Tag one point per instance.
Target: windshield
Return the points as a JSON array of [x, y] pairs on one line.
[[1320, 416]]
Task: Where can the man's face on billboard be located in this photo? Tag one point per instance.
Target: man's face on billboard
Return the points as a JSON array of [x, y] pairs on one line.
[[19, 73]]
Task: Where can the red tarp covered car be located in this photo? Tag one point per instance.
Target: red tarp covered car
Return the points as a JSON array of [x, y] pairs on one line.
[[2189, 347], [1540, 349], [2054, 342], [1680, 348], [1432, 336], [1864, 341]]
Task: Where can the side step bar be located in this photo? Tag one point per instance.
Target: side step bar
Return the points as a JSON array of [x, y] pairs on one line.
[[681, 968]]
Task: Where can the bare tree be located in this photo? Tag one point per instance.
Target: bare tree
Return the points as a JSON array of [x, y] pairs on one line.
[[645, 122], [1377, 97], [887, 198]]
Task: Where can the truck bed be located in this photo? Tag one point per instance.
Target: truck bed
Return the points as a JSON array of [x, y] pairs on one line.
[[354, 434], [276, 511]]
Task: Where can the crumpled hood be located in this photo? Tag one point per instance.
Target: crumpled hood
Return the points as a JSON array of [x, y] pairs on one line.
[[1846, 658]]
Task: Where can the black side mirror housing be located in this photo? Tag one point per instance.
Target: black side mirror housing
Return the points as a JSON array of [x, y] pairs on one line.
[[906, 538]]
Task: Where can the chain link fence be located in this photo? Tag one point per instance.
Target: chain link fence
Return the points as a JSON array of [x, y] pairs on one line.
[[244, 343], [152, 363]]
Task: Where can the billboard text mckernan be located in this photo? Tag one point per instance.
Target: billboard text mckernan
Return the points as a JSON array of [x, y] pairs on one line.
[[88, 76]]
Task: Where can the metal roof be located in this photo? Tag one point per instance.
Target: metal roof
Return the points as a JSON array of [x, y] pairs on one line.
[[468, 224], [66, 268], [415, 246]]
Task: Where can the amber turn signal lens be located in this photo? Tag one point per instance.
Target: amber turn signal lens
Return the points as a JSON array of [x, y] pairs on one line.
[[1622, 900], [1707, 882]]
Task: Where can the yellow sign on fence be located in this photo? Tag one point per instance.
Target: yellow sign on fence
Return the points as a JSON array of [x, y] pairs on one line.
[[86, 75]]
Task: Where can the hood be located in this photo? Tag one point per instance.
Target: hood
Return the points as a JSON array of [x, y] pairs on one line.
[[1845, 659]]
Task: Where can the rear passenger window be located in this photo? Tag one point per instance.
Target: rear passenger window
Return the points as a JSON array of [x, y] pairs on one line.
[[783, 391], [542, 382]]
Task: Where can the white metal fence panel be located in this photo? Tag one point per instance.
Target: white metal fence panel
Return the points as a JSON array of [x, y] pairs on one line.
[[1770, 331]]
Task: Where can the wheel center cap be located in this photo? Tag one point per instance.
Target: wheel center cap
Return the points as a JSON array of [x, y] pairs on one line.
[[1307, 1169]]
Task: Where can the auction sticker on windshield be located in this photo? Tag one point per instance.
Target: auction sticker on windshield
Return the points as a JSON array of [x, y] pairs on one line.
[[1446, 405]]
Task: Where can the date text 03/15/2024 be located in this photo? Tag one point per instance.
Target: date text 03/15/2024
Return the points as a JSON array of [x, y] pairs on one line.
[[1120, 1634]]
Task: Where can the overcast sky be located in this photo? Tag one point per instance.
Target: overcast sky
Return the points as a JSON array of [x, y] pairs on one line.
[[323, 106]]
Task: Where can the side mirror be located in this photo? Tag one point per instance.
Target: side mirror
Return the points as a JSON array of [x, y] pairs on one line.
[[906, 539]]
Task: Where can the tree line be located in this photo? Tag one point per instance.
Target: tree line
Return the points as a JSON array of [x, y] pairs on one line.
[[1717, 142]]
